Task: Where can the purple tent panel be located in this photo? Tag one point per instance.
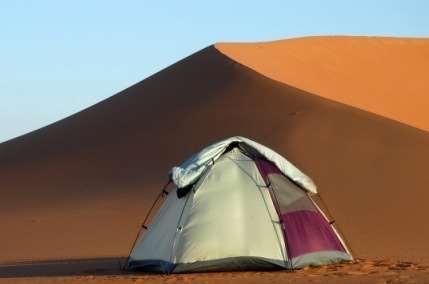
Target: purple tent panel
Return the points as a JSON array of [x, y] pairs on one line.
[[266, 168], [304, 228], [307, 232]]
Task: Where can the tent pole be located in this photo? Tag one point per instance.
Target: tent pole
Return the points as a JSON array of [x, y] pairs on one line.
[[277, 207], [143, 226], [341, 237], [276, 204]]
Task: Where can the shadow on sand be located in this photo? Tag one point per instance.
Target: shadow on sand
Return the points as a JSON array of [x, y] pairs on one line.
[[71, 267]]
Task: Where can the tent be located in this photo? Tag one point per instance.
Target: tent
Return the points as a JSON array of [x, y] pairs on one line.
[[237, 205]]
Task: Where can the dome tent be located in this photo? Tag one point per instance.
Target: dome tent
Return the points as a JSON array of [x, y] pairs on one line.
[[237, 205]]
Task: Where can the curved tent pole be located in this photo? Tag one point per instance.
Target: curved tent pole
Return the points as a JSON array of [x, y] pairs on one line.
[[163, 192], [277, 207], [341, 237], [272, 192]]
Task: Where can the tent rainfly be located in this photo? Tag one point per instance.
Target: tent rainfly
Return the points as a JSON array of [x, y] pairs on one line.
[[237, 205]]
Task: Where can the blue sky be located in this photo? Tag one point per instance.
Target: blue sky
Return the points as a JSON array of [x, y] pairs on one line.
[[59, 57]]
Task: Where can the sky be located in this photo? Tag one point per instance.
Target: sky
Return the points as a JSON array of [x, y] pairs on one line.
[[59, 57]]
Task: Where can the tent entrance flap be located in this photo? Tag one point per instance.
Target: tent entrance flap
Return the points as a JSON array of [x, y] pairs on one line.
[[306, 231]]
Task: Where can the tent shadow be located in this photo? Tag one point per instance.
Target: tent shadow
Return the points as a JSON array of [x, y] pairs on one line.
[[64, 267]]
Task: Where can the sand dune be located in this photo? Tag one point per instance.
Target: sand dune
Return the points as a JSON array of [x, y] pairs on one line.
[[386, 76], [79, 188]]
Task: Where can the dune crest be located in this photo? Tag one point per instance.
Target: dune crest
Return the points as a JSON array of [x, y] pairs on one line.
[[386, 76]]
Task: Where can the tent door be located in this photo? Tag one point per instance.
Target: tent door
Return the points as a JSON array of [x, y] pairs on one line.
[[306, 231]]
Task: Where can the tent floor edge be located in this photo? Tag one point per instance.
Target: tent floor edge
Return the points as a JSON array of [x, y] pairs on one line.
[[240, 263]]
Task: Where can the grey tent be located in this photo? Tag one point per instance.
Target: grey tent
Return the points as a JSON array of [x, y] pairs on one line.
[[237, 205]]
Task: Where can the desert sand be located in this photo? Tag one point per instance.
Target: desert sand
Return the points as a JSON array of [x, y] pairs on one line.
[[361, 271], [77, 190]]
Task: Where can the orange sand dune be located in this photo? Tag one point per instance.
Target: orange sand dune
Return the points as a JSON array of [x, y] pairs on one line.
[[386, 76], [80, 187]]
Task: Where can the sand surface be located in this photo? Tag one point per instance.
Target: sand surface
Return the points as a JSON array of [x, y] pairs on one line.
[[79, 188], [360, 271], [387, 76]]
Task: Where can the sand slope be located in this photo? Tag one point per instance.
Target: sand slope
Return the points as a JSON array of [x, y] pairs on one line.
[[387, 76], [80, 187]]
